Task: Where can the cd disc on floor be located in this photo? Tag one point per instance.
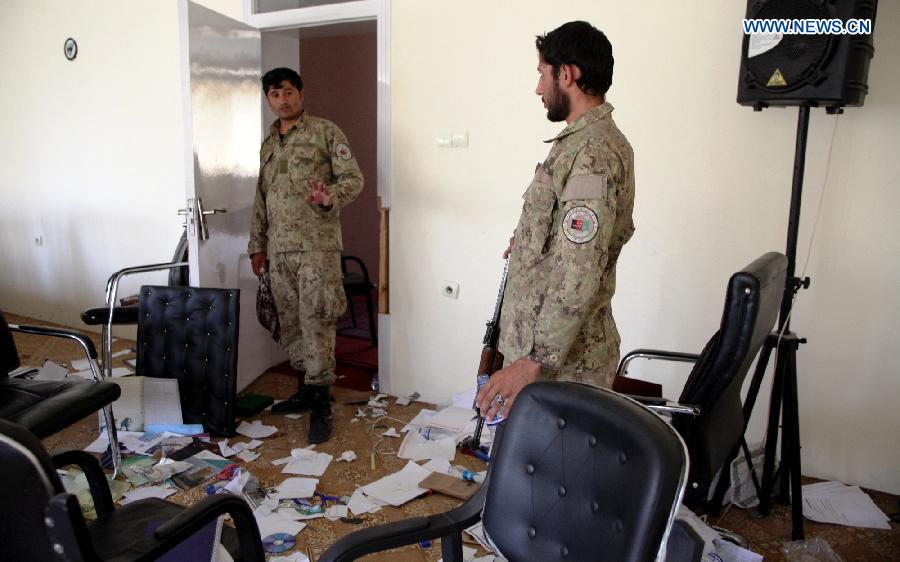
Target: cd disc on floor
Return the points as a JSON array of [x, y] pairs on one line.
[[278, 542]]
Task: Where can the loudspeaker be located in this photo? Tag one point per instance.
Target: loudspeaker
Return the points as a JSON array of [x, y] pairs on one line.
[[827, 70]]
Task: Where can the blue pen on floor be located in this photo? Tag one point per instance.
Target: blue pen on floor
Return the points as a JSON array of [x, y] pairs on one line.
[[425, 544]]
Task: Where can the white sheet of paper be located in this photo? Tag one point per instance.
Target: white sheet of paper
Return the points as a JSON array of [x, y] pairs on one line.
[[124, 372], [247, 455], [336, 511], [360, 504], [400, 487], [452, 418], [51, 372], [148, 492], [121, 353], [415, 447], [162, 401], [402, 401], [391, 432], [439, 464], [239, 482], [225, 450], [132, 362], [256, 430], [296, 488], [842, 505], [209, 456], [277, 523], [295, 557], [347, 456], [420, 420], [80, 364], [307, 462]]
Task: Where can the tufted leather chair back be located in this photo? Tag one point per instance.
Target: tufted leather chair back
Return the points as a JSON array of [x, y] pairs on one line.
[[583, 473], [191, 334], [9, 355], [752, 301]]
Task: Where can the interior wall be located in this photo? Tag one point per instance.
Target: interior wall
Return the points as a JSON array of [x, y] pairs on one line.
[[713, 188], [91, 165], [339, 79]]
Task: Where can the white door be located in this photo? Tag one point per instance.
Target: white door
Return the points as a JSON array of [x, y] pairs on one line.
[[221, 91]]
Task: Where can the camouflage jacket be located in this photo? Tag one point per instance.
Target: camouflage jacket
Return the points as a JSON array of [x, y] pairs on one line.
[[562, 272], [282, 220]]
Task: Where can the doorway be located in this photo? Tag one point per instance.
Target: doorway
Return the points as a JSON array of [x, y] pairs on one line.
[[338, 63]]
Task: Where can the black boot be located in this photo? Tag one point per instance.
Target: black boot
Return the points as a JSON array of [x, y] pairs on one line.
[[321, 420], [299, 402]]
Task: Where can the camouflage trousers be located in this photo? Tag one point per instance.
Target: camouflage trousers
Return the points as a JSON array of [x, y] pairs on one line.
[[310, 298]]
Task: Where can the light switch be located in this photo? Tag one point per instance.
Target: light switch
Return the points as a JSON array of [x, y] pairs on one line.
[[459, 139], [444, 140]]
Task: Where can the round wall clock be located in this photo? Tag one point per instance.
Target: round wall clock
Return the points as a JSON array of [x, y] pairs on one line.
[[70, 49]]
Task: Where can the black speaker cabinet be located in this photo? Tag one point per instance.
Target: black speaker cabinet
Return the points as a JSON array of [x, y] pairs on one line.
[[817, 70]]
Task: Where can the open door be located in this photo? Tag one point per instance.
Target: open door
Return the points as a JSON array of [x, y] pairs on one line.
[[221, 94]]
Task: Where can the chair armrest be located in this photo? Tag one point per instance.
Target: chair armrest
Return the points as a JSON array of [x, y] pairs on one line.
[[684, 544], [665, 406], [121, 315], [86, 344], [96, 478], [407, 531], [195, 517], [650, 354]]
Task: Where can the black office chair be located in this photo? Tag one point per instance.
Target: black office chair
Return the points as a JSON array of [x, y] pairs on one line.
[[191, 334], [580, 473], [710, 416], [47, 407], [42, 522], [358, 283]]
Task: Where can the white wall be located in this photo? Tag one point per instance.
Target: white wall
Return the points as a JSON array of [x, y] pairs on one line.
[[90, 158], [713, 186]]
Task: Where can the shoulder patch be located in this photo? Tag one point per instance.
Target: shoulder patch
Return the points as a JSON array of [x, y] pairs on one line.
[[343, 151], [590, 186], [580, 225]]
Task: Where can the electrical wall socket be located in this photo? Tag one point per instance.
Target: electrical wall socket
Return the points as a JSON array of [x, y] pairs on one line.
[[450, 289]]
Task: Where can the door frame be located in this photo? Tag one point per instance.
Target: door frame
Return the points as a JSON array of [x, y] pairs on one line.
[[347, 12]]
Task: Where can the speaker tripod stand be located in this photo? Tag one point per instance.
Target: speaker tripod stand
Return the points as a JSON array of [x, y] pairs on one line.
[[784, 399]]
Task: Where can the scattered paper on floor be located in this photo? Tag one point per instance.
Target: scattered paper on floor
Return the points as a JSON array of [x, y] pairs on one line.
[[835, 502], [256, 430]]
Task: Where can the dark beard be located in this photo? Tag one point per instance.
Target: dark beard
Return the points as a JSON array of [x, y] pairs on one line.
[[558, 106]]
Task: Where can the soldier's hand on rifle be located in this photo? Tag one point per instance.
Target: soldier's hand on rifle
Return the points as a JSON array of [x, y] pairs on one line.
[[319, 194], [258, 263], [500, 391], [509, 248]]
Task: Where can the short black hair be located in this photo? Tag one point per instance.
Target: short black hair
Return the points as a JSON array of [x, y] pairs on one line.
[[274, 78], [580, 44]]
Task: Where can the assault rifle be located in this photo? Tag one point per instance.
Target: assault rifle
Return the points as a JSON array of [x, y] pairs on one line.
[[491, 361]]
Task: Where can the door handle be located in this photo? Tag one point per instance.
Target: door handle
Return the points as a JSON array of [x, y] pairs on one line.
[[201, 218]]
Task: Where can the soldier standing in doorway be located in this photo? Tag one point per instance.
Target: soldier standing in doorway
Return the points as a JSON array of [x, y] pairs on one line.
[[307, 173]]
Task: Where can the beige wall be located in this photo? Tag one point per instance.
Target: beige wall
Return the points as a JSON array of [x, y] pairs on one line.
[[713, 182]]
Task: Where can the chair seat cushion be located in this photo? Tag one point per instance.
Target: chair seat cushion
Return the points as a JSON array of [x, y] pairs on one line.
[[46, 407], [127, 532], [121, 315]]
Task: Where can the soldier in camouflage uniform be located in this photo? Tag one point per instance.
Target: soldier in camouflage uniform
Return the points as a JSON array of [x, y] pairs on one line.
[[307, 173], [557, 321]]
